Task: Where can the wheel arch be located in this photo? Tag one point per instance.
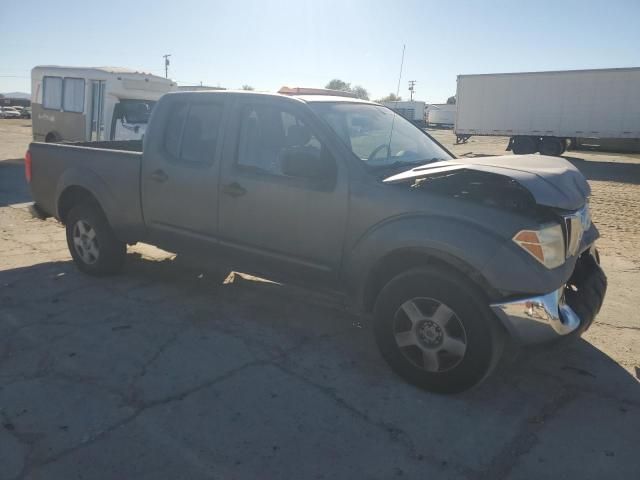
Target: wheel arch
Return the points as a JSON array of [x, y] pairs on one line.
[[75, 195], [80, 184], [401, 260]]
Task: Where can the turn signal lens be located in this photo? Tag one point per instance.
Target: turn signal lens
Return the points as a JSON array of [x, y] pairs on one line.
[[545, 245]]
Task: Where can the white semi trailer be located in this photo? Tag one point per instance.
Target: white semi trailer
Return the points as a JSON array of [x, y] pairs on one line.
[[412, 110], [545, 111]]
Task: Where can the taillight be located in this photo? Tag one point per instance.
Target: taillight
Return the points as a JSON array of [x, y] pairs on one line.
[[27, 166]]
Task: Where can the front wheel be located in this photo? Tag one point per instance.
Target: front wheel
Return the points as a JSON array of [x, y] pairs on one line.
[[436, 331], [92, 242]]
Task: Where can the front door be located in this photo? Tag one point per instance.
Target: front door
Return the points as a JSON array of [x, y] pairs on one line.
[[266, 212], [179, 170]]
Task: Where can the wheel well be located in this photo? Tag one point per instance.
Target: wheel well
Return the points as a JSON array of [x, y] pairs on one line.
[[71, 197], [52, 137], [397, 262]]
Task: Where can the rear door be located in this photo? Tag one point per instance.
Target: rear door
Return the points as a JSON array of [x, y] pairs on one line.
[[289, 221], [179, 168]]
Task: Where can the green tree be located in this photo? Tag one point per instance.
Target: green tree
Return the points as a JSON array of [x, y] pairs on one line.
[[392, 97], [451, 100], [247, 87], [337, 84], [360, 92]]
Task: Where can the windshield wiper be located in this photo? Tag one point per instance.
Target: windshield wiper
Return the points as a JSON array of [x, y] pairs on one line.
[[400, 163]]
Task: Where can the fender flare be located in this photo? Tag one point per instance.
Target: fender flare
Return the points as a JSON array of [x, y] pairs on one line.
[[87, 179], [438, 237]]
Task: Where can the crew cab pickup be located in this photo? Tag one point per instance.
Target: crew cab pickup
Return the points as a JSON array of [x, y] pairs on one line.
[[449, 257]]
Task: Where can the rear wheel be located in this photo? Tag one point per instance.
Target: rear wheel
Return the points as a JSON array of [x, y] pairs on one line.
[[553, 146], [92, 242], [436, 331], [524, 145]]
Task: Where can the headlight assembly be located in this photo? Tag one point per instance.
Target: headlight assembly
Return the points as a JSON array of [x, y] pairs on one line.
[[545, 244]]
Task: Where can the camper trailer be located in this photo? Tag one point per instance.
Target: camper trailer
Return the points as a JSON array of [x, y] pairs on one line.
[[93, 103]]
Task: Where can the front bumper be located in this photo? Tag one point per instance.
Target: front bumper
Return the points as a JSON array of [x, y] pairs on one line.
[[570, 309]]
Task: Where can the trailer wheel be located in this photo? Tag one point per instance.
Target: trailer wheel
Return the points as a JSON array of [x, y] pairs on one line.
[[553, 146], [524, 145]]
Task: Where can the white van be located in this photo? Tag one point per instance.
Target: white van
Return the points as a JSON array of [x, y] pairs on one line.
[[93, 103]]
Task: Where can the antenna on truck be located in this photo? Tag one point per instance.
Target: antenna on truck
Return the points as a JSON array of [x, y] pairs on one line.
[[393, 119]]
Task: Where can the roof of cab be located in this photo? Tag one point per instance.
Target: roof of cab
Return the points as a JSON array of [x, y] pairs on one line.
[[303, 98]]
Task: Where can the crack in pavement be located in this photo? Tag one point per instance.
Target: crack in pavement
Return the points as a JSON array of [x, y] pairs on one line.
[[140, 408], [395, 433], [621, 327], [29, 466], [503, 463]]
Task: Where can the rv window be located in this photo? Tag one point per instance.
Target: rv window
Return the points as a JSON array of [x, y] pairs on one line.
[[52, 93], [73, 98]]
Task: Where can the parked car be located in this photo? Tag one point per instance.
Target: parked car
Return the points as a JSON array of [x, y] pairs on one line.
[[26, 112], [9, 112], [450, 257]]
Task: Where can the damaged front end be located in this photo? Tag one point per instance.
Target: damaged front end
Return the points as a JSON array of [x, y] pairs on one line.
[[552, 196]]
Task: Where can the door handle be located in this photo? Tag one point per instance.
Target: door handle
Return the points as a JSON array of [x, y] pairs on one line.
[[159, 176], [234, 189]]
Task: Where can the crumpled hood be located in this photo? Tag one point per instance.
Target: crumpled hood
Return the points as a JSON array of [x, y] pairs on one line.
[[552, 181]]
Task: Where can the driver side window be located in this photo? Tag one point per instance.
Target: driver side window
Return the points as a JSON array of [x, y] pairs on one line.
[[270, 135]]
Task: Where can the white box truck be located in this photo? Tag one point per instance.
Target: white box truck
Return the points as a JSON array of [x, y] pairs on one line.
[[412, 110], [92, 103], [545, 111], [442, 115]]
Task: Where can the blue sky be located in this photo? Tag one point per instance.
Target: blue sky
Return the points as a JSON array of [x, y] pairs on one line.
[[268, 44]]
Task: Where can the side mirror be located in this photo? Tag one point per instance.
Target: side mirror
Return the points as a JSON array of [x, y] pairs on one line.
[[302, 163]]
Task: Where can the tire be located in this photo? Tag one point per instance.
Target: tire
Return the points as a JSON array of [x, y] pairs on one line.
[[92, 242], [432, 357], [524, 145], [552, 146]]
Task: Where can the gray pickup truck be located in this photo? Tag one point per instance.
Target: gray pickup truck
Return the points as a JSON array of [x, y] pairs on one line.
[[450, 257]]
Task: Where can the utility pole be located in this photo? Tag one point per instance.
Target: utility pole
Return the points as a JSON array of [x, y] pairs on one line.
[[166, 64], [412, 84]]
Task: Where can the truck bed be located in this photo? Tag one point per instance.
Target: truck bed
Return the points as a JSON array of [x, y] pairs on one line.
[[111, 170]]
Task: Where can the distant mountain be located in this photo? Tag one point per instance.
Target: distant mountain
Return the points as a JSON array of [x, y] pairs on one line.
[[17, 95]]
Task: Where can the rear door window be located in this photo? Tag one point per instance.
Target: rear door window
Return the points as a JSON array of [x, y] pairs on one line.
[[201, 132], [193, 131], [173, 130]]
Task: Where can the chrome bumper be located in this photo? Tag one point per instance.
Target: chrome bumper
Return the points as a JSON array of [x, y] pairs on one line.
[[538, 319], [561, 312]]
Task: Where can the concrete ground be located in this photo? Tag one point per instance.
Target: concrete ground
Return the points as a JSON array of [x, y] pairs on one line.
[[165, 372]]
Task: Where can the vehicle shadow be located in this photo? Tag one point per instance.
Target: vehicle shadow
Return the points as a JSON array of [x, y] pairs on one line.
[[160, 332], [607, 171], [177, 286], [13, 187]]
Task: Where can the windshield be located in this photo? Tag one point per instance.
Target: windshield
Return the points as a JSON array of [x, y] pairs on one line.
[[378, 136], [134, 111]]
